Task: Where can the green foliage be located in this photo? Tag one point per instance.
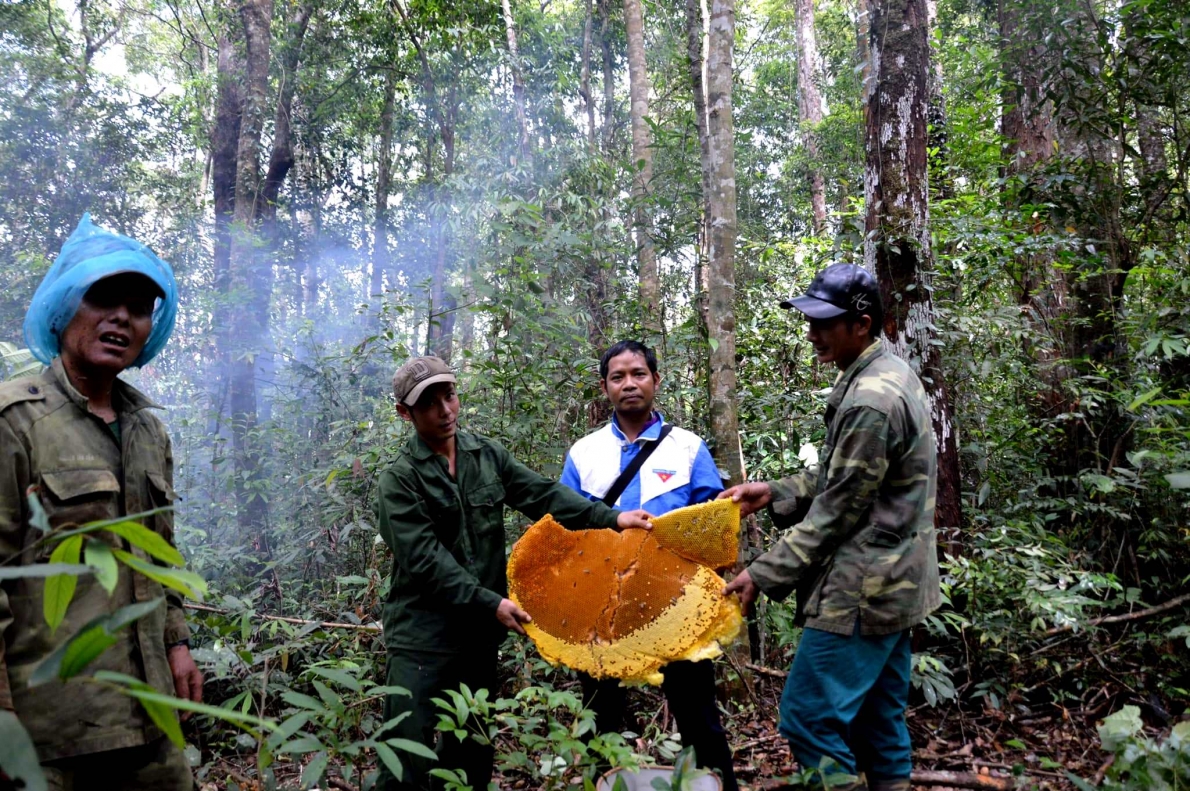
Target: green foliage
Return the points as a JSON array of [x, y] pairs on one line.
[[540, 732], [1140, 761]]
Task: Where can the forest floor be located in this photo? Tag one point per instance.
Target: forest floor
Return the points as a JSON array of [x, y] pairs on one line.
[[955, 747]]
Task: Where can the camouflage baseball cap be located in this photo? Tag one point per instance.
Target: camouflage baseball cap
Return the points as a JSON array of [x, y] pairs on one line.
[[839, 289], [412, 378]]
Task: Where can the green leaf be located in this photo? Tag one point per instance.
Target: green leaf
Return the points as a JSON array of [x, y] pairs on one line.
[[142, 692], [302, 744], [1179, 480], [314, 770], [415, 748], [17, 754], [186, 582], [98, 555], [1144, 399], [1120, 727], [340, 677], [150, 541], [43, 570], [390, 759], [73, 656], [156, 705], [59, 589], [289, 728], [302, 701]]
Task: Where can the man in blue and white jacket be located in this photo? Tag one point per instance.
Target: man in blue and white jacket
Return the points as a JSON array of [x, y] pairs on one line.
[[679, 472]]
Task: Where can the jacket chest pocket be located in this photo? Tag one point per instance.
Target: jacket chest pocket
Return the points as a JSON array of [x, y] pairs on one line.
[[485, 508], [79, 496]]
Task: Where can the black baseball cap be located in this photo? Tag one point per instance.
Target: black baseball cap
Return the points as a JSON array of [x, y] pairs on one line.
[[836, 290]]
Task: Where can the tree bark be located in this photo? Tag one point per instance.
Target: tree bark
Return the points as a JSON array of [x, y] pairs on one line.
[[518, 81], [898, 238], [609, 74], [383, 185], [642, 160], [247, 325], [1027, 125], [444, 112], [585, 76], [810, 107], [694, 59]]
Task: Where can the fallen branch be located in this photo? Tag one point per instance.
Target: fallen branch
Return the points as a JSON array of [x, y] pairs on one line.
[[937, 777], [1132, 616], [360, 627], [766, 671]]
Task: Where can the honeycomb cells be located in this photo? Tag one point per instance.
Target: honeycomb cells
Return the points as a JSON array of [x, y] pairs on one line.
[[622, 605]]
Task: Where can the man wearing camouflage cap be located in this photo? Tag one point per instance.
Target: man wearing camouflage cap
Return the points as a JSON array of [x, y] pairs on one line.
[[441, 511], [858, 546]]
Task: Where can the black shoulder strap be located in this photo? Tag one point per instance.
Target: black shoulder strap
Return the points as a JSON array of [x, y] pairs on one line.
[[633, 467]]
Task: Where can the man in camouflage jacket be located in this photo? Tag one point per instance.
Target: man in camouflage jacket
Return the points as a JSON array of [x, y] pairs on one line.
[[859, 548], [90, 447]]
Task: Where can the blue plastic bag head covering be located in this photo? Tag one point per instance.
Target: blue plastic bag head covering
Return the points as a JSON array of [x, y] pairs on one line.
[[89, 255]]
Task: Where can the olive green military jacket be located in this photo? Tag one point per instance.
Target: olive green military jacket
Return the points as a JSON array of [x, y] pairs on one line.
[[865, 548], [50, 441], [447, 538]]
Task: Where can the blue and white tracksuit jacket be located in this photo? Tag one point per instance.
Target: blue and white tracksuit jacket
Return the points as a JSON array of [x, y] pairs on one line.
[[679, 473]]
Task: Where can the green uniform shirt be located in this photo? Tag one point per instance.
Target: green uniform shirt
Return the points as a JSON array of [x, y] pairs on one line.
[[865, 546], [447, 538], [48, 439]]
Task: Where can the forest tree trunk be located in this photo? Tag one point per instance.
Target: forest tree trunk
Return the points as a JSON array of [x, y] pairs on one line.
[[518, 82], [247, 273], [896, 194], [642, 166], [810, 107], [383, 184]]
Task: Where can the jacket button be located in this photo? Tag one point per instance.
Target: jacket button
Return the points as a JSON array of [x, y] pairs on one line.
[[33, 390]]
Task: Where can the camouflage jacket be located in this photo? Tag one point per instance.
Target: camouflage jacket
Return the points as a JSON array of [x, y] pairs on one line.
[[50, 440], [865, 545]]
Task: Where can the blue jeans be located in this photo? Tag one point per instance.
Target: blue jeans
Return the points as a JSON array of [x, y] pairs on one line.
[[845, 700]]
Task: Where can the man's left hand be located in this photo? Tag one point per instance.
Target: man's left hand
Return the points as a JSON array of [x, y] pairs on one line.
[[638, 519], [187, 676], [744, 585]]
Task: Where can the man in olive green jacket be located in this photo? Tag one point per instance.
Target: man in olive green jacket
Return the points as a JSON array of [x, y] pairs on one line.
[[859, 548], [441, 511], [90, 447]]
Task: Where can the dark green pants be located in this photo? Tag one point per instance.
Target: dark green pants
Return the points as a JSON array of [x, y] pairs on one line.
[[158, 766], [427, 675]]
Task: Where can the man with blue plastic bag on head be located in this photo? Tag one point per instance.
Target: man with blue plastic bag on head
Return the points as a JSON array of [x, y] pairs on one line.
[[858, 547], [90, 447]]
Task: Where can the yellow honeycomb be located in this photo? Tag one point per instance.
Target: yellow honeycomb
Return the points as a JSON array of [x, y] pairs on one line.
[[622, 605], [708, 533]]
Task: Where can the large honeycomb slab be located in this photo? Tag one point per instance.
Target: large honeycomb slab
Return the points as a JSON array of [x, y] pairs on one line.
[[623, 605]]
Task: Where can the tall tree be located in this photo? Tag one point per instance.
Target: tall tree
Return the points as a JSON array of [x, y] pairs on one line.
[[810, 107], [249, 273], [642, 167], [384, 162], [896, 195], [518, 81]]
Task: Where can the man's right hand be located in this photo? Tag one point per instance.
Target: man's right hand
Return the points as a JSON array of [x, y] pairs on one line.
[[512, 616], [639, 519], [751, 496]]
